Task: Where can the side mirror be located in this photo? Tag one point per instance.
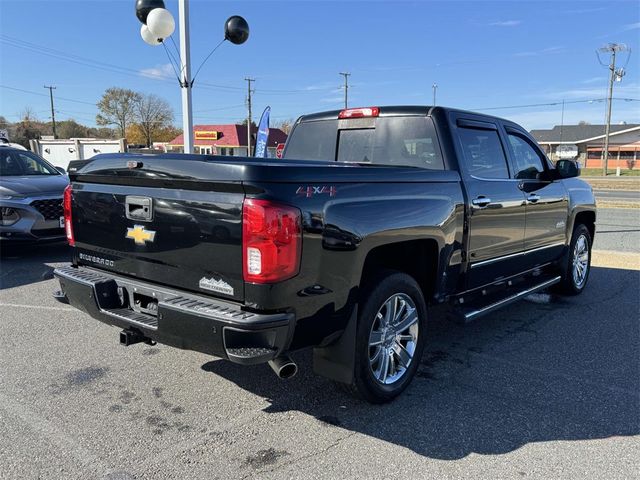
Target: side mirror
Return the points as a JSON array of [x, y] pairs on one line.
[[61, 170], [567, 169]]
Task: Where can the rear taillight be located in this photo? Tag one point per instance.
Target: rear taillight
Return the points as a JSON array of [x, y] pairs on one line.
[[66, 207], [359, 112], [271, 241]]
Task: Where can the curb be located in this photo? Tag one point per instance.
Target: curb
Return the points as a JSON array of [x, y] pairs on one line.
[[611, 259], [612, 204]]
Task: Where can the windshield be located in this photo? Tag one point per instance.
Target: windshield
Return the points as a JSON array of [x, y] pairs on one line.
[[399, 141], [17, 163]]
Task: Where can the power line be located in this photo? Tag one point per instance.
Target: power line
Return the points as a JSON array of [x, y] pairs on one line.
[[551, 104], [230, 107], [45, 95], [87, 62], [74, 116]]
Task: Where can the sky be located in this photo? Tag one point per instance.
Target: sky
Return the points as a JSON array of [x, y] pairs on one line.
[[483, 56]]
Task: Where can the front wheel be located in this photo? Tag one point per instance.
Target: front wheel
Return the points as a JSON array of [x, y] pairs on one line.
[[579, 262], [390, 337]]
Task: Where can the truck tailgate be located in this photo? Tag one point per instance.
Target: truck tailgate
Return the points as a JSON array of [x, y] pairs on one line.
[[183, 238]]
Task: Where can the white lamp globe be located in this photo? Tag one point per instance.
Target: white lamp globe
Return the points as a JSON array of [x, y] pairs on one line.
[[161, 23], [149, 37]]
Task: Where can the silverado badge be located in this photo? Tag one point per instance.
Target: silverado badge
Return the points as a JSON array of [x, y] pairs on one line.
[[140, 235]]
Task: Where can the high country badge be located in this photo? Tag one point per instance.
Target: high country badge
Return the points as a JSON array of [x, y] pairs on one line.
[[219, 286]]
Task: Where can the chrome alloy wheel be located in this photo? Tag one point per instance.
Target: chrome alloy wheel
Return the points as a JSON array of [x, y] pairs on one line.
[[393, 338], [580, 261]]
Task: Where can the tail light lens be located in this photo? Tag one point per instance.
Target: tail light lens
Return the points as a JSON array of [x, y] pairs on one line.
[[271, 241], [66, 207]]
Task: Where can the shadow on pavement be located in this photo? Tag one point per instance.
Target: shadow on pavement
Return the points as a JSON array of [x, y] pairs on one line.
[[548, 369], [26, 264]]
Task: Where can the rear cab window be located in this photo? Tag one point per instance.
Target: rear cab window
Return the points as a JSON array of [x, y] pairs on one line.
[[409, 141]]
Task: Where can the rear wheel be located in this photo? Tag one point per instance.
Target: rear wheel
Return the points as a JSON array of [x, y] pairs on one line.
[[579, 262], [390, 337]]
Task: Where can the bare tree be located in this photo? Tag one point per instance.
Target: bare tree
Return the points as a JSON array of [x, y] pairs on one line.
[[28, 128], [284, 125], [28, 115], [153, 114], [117, 107]]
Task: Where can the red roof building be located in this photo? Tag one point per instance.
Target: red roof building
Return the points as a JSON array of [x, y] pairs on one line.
[[226, 140]]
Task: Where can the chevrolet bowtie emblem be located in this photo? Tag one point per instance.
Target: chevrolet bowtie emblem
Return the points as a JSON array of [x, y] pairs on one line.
[[139, 235]]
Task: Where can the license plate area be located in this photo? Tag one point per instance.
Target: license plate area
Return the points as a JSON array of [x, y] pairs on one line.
[[138, 300], [145, 304]]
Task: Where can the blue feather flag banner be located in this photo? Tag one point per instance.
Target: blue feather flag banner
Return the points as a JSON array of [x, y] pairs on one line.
[[263, 134]]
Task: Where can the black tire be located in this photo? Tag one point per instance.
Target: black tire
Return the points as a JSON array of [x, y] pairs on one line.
[[388, 286], [573, 283]]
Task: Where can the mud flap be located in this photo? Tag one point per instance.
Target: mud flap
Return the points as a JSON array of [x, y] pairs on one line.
[[336, 361], [564, 262]]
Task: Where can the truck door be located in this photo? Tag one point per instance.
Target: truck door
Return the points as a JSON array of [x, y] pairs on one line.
[[496, 210], [547, 201]]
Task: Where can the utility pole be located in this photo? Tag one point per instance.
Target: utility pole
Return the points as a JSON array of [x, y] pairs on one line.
[[249, 80], [346, 76], [434, 87], [53, 113], [561, 122], [612, 49]]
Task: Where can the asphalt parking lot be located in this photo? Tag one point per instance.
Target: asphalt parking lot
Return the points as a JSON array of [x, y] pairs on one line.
[[547, 388]]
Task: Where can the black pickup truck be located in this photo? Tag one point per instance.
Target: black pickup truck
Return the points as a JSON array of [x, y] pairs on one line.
[[373, 215]]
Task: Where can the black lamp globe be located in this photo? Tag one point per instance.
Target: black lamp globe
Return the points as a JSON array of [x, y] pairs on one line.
[[143, 7], [236, 30]]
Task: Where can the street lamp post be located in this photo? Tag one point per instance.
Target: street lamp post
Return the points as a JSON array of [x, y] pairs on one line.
[[158, 25], [185, 59]]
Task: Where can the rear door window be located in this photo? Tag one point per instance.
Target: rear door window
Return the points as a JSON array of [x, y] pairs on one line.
[[483, 153]]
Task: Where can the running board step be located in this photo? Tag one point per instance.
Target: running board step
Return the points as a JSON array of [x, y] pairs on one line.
[[477, 309]]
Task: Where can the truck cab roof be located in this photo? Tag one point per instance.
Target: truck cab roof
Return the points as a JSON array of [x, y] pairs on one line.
[[402, 110]]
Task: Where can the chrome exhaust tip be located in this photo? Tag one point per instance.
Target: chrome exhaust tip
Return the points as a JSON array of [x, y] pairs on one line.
[[284, 367]]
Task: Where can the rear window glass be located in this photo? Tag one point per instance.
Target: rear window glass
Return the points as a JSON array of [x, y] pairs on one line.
[[313, 141], [400, 141]]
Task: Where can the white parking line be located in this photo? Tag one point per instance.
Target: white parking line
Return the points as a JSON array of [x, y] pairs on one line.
[[42, 307]]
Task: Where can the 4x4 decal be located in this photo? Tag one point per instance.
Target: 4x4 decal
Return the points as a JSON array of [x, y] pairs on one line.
[[311, 190]]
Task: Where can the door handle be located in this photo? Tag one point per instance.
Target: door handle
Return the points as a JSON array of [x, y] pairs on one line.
[[533, 198], [481, 201]]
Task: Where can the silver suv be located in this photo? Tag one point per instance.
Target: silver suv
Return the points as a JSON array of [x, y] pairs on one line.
[[30, 197]]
